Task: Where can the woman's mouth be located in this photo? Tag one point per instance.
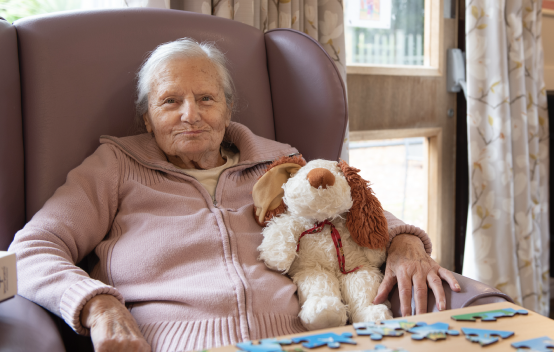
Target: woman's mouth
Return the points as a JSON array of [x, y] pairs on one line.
[[191, 133]]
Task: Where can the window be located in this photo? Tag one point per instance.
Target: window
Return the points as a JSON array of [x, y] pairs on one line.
[[13, 10], [396, 169], [403, 98], [405, 174], [393, 37], [378, 33]]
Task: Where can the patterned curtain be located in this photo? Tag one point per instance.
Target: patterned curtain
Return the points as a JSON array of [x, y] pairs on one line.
[[320, 19], [508, 226]]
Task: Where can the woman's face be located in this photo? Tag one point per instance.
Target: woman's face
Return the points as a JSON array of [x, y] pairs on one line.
[[187, 111]]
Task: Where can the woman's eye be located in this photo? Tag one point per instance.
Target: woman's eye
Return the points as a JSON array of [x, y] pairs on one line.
[[170, 101], [206, 98]]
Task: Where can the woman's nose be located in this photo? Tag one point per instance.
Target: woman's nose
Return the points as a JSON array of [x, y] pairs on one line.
[[190, 112], [321, 177]]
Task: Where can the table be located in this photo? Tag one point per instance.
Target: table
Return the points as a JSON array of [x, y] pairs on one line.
[[525, 327]]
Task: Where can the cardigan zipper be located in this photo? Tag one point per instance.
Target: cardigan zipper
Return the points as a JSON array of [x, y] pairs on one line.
[[243, 285]]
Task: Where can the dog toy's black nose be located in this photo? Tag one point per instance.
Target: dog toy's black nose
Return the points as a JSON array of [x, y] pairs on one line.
[[321, 177]]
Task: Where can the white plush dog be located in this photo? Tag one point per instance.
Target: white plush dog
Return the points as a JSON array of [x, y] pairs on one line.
[[326, 229]]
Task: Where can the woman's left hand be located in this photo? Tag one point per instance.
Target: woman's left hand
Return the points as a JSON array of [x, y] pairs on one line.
[[112, 327], [408, 262]]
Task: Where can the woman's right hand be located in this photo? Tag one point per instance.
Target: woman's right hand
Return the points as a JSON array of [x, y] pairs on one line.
[[112, 327]]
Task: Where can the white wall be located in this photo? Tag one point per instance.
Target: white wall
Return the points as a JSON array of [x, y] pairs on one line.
[[548, 45]]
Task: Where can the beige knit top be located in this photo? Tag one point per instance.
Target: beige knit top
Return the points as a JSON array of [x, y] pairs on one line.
[[208, 178]]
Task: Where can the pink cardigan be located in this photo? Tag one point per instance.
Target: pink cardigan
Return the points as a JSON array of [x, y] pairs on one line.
[[185, 266]]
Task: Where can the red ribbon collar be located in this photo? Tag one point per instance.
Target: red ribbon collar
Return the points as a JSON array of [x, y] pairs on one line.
[[318, 227]]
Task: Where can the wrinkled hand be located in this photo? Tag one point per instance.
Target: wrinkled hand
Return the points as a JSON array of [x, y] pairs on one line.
[[408, 262], [112, 327]]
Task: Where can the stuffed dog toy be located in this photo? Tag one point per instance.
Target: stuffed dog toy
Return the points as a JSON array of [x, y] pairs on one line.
[[326, 229]]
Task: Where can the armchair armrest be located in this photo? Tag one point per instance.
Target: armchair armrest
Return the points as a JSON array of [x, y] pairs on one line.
[[473, 293], [25, 326]]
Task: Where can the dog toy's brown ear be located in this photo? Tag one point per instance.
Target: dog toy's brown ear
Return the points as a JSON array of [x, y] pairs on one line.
[[268, 192], [366, 220]]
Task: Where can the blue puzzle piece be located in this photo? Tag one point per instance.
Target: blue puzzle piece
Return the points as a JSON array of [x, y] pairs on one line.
[[388, 328], [490, 315], [541, 344], [330, 339], [433, 332], [485, 337], [381, 348], [266, 345]]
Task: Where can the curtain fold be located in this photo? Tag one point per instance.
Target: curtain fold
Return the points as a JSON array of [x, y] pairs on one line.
[[320, 19], [508, 224]]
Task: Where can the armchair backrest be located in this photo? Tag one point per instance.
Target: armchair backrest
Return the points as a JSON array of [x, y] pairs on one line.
[[12, 187], [77, 75]]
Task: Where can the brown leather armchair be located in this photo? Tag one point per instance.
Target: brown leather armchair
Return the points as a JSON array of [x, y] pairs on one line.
[[66, 79]]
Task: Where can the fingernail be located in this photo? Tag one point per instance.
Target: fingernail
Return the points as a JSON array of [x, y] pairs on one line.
[[457, 286], [442, 306]]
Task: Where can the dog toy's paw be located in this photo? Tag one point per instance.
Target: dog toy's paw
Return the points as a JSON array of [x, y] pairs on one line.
[[374, 313], [323, 312]]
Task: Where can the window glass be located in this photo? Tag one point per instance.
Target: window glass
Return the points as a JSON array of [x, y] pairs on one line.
[[397, 171], [384, 32], [13, 10]]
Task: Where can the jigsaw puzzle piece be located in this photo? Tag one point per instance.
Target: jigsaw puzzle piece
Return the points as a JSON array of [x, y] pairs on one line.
[[541, 344], [437, 331], [399, 324], [330, 339], [388, 328], [381, 348], [485, 337], [265, 345], [375, 331], [295, 349], [490, 315]]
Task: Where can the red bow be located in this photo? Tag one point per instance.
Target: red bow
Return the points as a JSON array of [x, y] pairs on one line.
[[318, 227]]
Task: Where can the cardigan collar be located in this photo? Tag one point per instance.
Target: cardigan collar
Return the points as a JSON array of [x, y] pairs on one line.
[[253, 149]]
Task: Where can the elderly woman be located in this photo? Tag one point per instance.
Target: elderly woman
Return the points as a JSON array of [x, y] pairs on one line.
[[168, 213]]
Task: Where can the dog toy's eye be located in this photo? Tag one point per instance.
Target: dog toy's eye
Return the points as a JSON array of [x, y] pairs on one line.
[[320, 177]]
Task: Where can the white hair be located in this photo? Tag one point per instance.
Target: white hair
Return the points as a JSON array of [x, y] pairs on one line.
[[179, 49]]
